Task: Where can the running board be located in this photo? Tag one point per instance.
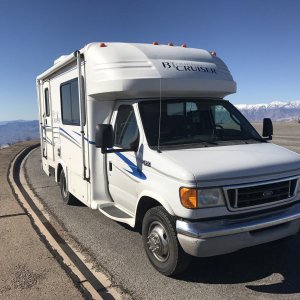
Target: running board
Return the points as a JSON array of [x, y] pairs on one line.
[[110, 210]]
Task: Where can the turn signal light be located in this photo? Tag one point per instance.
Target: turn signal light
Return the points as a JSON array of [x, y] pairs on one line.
[[188, 197], [154, 43], [170, 44], [102, 45], [184, 45]]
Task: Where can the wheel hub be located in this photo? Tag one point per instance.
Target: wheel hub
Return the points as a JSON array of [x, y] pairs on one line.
[[157, 242]]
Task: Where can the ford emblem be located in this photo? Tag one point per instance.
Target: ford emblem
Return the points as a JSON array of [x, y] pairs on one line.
[[267, 194]]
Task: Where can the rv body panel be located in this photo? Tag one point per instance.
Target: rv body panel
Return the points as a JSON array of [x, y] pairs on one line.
[[176, 158]]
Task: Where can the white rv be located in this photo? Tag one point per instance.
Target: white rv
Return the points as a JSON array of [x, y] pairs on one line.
[[142, 133]]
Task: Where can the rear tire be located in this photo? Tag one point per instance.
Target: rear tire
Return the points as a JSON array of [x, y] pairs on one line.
[[161, 243], [68, 198]]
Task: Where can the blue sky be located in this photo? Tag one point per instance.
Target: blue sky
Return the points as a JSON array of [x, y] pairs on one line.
[[258, 40]]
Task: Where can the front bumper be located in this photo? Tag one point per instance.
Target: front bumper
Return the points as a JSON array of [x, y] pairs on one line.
[[217, 237]]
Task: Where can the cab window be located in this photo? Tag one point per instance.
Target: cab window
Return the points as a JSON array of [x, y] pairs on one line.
[[126, 129]]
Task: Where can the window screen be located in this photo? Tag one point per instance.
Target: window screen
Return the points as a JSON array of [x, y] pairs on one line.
[[70, 103]]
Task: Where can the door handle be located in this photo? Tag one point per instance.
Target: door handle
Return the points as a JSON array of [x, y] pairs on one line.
[[110, 166]]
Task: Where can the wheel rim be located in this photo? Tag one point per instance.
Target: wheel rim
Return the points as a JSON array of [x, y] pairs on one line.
[[158, 242]]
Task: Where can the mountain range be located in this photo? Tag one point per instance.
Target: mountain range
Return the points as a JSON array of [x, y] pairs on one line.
[[276, 110], [16, 131]]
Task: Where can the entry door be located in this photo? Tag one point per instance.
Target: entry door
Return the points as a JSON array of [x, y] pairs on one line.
[[123, 171], [47, 129]]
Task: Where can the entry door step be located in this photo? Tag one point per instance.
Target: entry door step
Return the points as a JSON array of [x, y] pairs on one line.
[[117, 214]]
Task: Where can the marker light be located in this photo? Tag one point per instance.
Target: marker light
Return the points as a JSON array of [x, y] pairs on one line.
[[188, 197], [155, 43], [102, 45], [184, 45], [213, 53], [170, 44]]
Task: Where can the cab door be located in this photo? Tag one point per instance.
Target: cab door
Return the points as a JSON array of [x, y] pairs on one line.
[[123, 169]]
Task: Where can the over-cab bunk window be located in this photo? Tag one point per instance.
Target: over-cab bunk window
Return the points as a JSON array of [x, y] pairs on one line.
[[70, 102]]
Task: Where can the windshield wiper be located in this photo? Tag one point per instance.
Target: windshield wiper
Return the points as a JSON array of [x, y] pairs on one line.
[[254, 138], [210, 142]]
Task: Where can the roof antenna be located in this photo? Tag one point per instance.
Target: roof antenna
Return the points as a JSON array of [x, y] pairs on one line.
[[159, 121]]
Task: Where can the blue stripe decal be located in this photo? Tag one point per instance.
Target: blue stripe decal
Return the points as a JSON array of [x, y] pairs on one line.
[[68, 134], [76, 133], [135, 171], [45, 126], [90, 142], [47, 140]]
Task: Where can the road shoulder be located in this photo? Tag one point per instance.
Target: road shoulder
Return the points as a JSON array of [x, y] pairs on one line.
[[28, 269]]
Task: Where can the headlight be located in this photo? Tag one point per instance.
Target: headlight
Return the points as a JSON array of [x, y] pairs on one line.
[[210, 197], [201, 198]]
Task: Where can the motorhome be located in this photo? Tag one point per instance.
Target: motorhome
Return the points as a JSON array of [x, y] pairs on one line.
[[142, 133]]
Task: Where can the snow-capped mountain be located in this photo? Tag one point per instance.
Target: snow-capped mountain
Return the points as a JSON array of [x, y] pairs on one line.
[[276, 110]]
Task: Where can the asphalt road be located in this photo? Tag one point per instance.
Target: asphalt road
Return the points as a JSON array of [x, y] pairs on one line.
[[270, 271]]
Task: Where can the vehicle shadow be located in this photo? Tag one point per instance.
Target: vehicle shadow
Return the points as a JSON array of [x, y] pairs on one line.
[[252, 264], [254, 267]]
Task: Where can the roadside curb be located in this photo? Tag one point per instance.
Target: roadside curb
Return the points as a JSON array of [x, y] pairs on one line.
[[92, 284]]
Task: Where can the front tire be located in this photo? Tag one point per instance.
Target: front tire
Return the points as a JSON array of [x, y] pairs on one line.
[[65, 194], [161, 243]]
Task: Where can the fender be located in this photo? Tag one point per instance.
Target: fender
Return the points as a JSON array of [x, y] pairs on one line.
[[64, 167], [156, 197]]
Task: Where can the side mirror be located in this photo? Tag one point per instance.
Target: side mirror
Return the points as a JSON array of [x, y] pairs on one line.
[[267, 128], [104, 137]]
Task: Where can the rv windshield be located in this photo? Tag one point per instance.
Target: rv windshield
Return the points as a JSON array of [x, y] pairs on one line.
[[195, 123]]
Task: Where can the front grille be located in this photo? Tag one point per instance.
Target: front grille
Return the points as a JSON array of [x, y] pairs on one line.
[[260, 195]]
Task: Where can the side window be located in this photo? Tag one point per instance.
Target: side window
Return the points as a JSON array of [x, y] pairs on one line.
[[126, 129], [224, 119], [70, 103], [47, 106], [175, 109]]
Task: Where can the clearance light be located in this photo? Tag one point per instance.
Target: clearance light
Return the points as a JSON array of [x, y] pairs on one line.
[[213, 53], [170, 44], [188, 197], [184, 45], [155, 43], [102, 45]]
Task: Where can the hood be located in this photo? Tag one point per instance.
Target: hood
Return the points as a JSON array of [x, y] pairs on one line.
[[237, 164]]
